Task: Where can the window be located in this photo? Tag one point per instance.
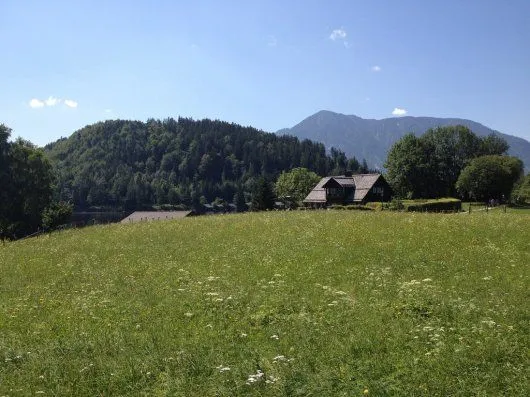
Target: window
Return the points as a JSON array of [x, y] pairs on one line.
[[377, 190]]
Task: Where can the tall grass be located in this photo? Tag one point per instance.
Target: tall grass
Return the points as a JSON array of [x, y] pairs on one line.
[[283, 303]]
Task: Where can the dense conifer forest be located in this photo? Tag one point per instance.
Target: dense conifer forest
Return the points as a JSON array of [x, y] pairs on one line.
[[133, 164]]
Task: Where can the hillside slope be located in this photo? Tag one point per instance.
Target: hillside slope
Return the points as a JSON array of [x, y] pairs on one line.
[[323, 303], [134, 164], [370, 139]]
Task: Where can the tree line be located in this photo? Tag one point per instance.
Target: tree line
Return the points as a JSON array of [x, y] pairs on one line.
[[26, 189], [452, 162], [184, 162]]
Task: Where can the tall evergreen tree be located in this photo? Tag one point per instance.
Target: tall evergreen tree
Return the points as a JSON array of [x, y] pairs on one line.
[[262, 195]]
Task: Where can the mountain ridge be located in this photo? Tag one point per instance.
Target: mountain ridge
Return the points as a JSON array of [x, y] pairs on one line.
[[371, 139]]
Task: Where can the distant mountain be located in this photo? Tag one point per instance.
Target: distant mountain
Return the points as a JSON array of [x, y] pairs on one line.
[[370, 139]]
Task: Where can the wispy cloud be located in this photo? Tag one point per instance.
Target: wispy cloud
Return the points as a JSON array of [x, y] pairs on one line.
[[376, 68], [36, 103], [108, 111], [399, 112], [338, 34], [51, 101], [272, 41], [70, 103]]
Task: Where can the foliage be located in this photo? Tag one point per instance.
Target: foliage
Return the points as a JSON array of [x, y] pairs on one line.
[[409, 169], [438, 205], [296, 183], [521, 192], [429, 166], [490, 177], [262, 195], [396, 205], [26, 179], [354, 207], [133, 165], [56, 214], [322, 303]]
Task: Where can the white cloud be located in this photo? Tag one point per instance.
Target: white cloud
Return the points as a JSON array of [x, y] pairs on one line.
[[399, 112], [108, 110], [36, 103], [70, 103], [52, 101], [338, 34], [376, 68]]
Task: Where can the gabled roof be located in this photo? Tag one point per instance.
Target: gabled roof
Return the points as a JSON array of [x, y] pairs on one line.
[[361, 182], [318, 194], [342, 181], [138, 216]]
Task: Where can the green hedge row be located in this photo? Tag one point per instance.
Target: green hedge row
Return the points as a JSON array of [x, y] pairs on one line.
[[355, 207], [441, 205]]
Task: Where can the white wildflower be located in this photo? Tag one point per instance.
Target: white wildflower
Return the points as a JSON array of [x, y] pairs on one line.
[[253, 378], [275, 337]]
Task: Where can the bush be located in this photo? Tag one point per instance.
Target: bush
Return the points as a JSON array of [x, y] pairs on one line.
[[350, 207], [56, 214], [397, 205], [440, 205]]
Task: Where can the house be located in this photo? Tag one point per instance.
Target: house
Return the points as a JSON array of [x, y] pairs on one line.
[[139, 216], [349, 189]]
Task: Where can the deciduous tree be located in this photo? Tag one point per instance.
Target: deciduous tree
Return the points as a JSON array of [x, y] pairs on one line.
[[296, 183], [489, 177]]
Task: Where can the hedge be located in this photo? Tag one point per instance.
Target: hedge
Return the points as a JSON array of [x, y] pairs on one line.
[[440, 205]]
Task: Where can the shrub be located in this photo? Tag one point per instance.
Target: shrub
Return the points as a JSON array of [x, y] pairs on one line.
[[440, 205]]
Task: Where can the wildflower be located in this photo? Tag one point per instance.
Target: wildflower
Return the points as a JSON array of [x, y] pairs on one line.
[[222, 368], [366, 391], [271, 379], [275, 337], [253, 378], [188, 314], [426, 280], [243, 335], [278, 358]]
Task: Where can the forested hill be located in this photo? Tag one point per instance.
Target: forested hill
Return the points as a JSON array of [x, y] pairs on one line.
[[132, 164]]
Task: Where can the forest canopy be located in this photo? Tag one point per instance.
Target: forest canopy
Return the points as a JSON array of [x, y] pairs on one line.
[[133, 165]]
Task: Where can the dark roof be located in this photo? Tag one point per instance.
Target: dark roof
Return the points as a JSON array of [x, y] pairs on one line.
[[138, 216], [361, 182], [318, 194]]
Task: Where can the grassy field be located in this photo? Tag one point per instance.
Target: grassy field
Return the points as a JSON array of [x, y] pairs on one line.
[[321, 303]]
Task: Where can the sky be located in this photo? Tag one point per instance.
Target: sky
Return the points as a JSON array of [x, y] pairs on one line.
[[268, 64]]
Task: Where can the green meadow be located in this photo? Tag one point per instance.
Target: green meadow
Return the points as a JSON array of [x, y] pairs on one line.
[[301, 303]]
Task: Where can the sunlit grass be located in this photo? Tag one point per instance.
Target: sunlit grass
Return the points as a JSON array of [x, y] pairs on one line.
[[280, 303]]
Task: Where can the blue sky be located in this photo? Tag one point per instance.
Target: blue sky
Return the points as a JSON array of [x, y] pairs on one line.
[[269, 64]]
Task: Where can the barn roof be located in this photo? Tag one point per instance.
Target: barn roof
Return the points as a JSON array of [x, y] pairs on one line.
[[361, 182], [318, 194], [138, 216]]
